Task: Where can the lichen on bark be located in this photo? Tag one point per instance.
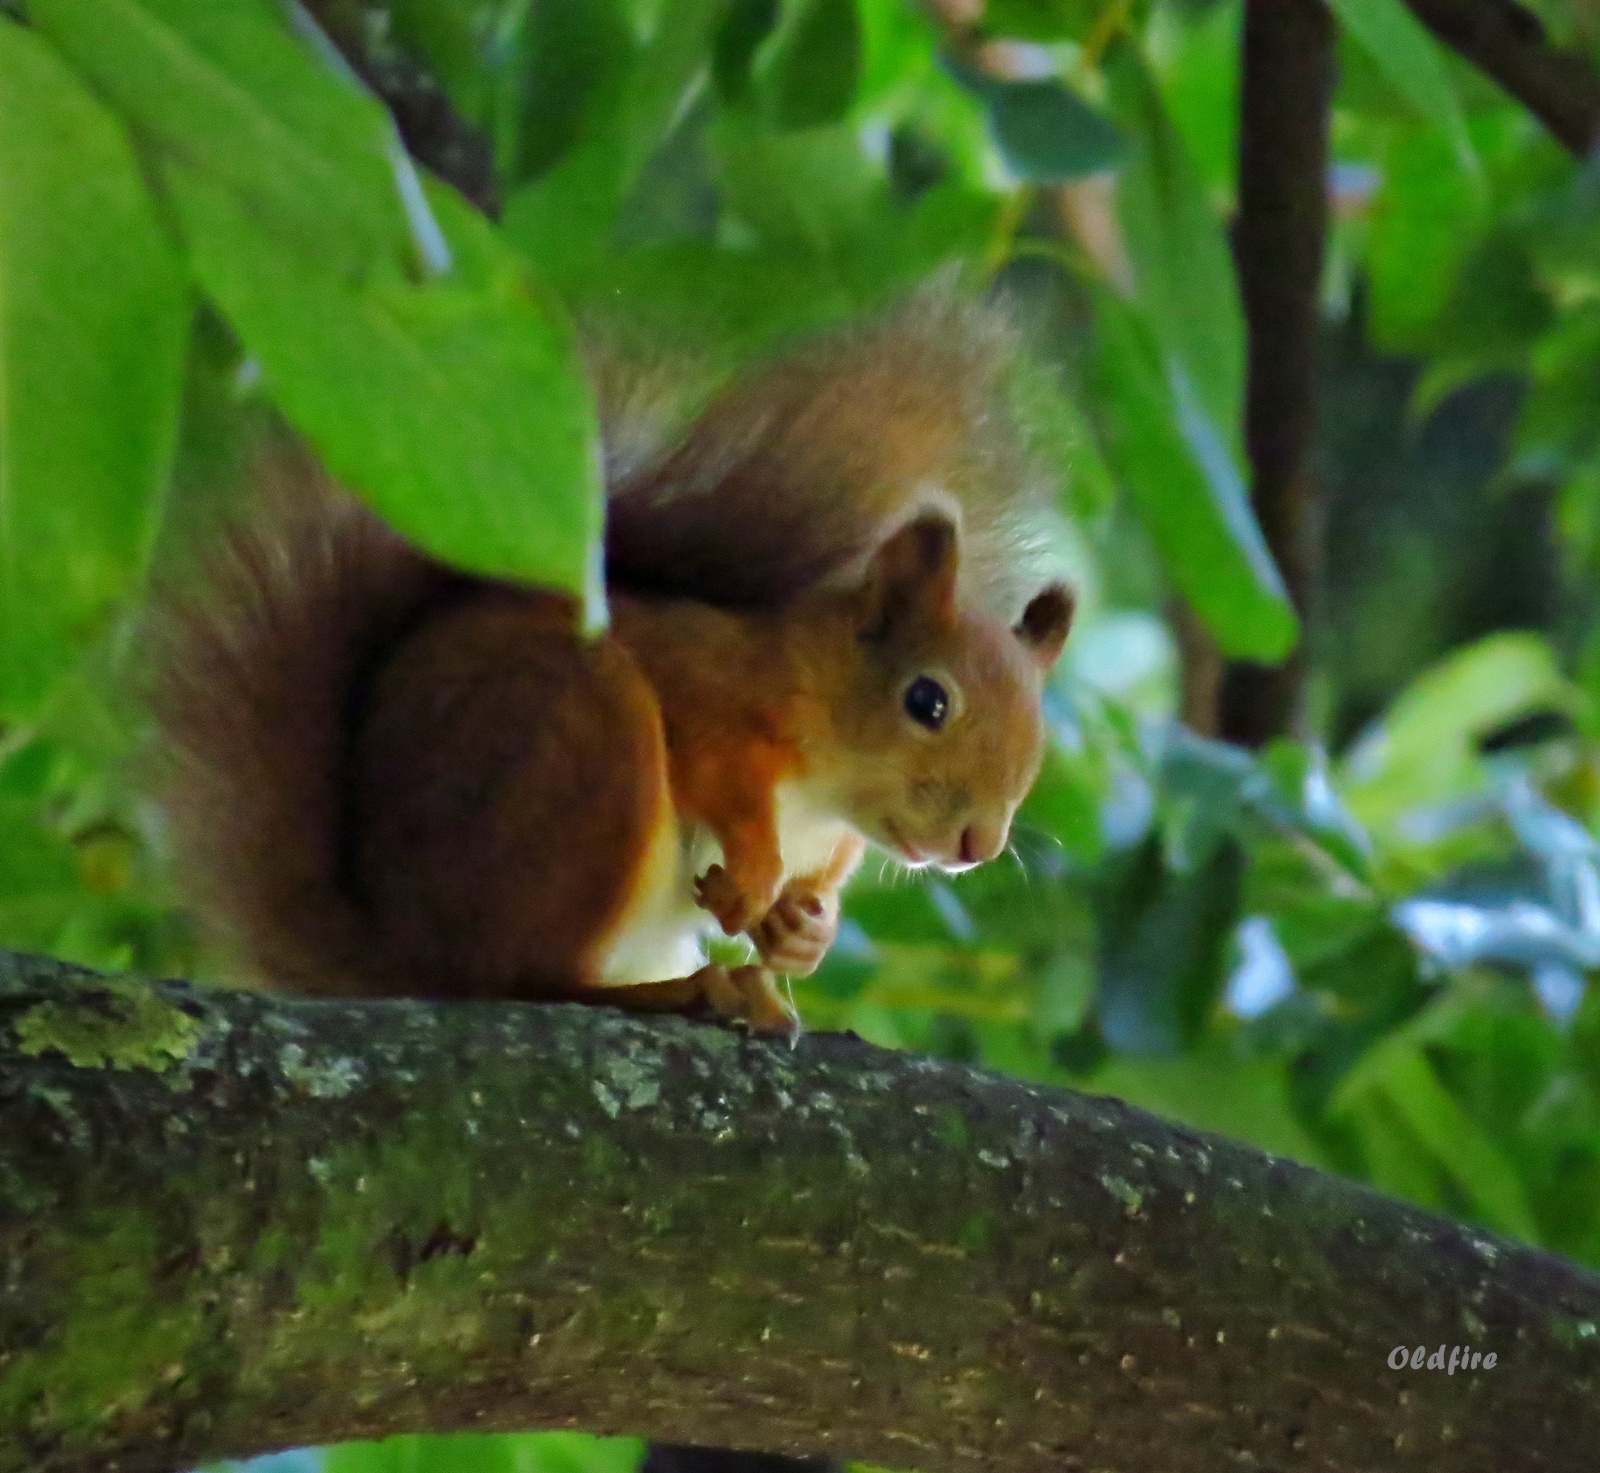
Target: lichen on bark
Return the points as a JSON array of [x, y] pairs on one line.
[[108, 1022]]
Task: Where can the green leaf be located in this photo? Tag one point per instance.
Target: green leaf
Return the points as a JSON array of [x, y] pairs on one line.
[[93, 319], [577, 55], [1175, 465], [744, 27], [1242, 1097], [808, 191], [226, 89], [1046, 132], [537, 1452], [1389, 1154], [1044, 20], [575, 1452], [671, 64], [1423, 226], [815, 65], [1409, 57], [1065, 803], [1182, 265], [726, 303], [1198, 66], [457, 407], [1422, 751], [1399, 1071], [564, 217]]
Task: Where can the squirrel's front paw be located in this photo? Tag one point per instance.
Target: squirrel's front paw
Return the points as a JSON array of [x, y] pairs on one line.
[[796, 933], [735, 909]]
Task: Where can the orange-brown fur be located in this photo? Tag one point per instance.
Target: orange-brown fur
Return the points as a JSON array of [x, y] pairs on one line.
[[393, 779]]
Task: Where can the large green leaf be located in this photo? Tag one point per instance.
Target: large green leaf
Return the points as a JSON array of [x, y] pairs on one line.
[[93, 317], [1046, 20], [1163, 945], [456, 407], [526, 1452], [1198, 67], [232, 94], [1065, 802], [1182, 266], [744, 26], [1174, 462], [807, 191], [576, 56]]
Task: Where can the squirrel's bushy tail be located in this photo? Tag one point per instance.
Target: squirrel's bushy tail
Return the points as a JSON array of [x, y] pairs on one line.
[[793, 476], [257, 673]]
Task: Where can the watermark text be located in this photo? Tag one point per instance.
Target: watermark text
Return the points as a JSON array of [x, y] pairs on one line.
[[1445, 1358]]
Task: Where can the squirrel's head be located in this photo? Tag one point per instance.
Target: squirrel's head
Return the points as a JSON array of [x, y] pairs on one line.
[[937, 720]]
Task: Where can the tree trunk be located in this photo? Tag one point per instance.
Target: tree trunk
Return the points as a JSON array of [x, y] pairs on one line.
[[231, 1223], [1286, 93]]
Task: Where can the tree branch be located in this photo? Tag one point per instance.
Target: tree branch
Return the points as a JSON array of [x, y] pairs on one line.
[[240, 1223], [1506, 41]]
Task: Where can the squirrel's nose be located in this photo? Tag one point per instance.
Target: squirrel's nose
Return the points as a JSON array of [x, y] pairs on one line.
[[981, 841]]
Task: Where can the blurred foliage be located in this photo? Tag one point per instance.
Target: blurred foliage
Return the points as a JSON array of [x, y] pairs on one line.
[[1374, 951]]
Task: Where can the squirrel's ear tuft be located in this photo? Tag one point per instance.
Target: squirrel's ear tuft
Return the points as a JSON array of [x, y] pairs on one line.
[[1045, 622], [912, 574]]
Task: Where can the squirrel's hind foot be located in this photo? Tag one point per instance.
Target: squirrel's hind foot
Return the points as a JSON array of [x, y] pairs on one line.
[[750, 995]]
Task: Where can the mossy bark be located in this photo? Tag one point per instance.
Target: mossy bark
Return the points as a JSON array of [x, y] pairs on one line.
[[231, 1223]]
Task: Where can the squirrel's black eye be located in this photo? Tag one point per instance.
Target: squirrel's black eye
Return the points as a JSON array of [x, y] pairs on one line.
[[927, 703]]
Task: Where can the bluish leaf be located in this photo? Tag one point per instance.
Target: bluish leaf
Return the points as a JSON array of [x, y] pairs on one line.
[[1046, 132]]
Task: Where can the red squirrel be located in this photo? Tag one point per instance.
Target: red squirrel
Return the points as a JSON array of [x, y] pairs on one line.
[[392, 778]]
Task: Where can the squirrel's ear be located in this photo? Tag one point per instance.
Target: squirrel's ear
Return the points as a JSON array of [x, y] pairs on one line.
[[1045, 622], [914, 572]]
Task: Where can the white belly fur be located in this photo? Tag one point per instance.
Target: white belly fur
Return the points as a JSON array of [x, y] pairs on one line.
[[665, 932]]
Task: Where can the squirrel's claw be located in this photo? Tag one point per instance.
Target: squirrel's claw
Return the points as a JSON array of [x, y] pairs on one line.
[[749, 995]]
